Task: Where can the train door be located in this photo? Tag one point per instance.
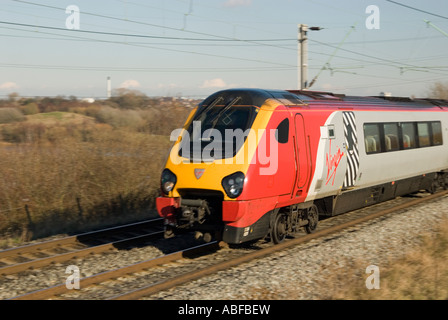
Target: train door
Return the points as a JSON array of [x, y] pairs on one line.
[[351, 145], [302, 155]]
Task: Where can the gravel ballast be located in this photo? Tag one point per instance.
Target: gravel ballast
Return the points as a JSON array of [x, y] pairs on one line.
[[297, 273], [301, 272]]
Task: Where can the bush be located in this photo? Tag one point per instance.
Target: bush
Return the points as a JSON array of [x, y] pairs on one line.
[[30, 108], [9, 115], [438, 90], [23, 133], [119, 118]]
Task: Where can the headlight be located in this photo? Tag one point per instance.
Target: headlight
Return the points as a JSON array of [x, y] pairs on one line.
[[233, 184], [168, 181]]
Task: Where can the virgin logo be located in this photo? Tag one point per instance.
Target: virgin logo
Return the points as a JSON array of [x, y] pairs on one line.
[[198, 173], [333, 161]]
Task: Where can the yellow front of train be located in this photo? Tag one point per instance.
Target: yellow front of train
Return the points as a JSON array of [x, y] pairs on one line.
[[209, 162]]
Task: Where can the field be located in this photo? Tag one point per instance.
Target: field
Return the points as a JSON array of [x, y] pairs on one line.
[[422, 274], [68, 166]]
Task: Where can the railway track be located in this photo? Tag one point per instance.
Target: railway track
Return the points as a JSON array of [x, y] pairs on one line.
[[39, 255], [147, 278]]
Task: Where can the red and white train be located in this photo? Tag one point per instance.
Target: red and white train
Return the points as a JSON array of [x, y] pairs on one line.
[[253, 163]]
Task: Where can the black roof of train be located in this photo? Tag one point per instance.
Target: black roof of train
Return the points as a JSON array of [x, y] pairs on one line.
[[385, 101], [304, 97]]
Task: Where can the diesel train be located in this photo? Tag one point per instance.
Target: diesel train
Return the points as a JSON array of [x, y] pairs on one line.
[[251, 163]]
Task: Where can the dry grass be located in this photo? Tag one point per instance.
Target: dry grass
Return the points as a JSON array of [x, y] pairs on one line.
[[421, 274], [69, 166], [66, 173]]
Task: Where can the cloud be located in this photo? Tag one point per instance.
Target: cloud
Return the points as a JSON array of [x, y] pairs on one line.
[[130, 84], [237, 3], [169, 86], [8, 86], [214, 83]]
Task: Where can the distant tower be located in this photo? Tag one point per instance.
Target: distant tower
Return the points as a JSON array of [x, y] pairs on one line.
[[109, 88]]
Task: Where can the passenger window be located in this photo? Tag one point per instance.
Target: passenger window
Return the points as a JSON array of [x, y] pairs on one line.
[[423, 134], [437, 139], [408, 130], [372, 138], [391, 136], [282, 132]]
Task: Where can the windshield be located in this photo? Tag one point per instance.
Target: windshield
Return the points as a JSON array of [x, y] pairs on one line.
[[218, 129]]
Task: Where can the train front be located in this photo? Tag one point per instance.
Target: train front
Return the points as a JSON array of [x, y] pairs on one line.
[[205, 178]]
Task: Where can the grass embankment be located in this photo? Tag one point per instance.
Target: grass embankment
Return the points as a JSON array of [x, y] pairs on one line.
[[66, 172], [421, 274]]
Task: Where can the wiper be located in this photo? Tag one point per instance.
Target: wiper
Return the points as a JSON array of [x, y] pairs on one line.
[[211, 105], [215, 119], [227, 107]]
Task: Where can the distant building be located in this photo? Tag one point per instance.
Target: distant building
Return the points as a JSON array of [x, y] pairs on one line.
[[89, 100]]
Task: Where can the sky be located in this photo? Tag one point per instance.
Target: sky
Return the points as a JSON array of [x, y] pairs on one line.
[[193, 48]]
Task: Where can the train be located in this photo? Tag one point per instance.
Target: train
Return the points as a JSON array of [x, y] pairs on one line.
[[253, 164]]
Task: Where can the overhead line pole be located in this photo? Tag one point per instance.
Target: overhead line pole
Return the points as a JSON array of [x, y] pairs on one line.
[[302, 63], [303, 57]]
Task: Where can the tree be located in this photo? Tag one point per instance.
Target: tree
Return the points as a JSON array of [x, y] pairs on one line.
[[438, 90], [30, 108], [14, 96], [129, 99]]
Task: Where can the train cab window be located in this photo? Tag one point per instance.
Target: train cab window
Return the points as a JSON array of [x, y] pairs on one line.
[[408, 130], [372, 138], [331, 131], [423, 134], [436, 132], [391, 137], [282, 132]]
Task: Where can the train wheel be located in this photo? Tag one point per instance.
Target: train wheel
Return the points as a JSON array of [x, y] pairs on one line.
[[434, 186], [168, 233], [278, 232], [313, 218]]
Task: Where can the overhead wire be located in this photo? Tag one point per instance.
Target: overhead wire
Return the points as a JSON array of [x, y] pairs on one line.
[[217, 37], [139, 69], [142, 35], [391, 62], [397, 64], [416, 9], [288, 67], [215, 40], [157, 48]]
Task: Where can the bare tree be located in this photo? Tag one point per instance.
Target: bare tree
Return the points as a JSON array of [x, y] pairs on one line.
[[438, 90]]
